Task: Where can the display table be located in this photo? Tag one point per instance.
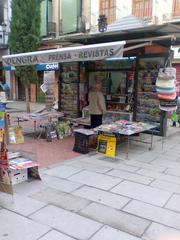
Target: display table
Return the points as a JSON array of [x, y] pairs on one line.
[[109, 117], [121, 128], [39, 117]]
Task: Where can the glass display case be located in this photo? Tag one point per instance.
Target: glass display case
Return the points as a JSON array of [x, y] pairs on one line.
[[117, 82]]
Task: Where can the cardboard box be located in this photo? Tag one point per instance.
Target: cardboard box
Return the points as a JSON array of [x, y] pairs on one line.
[[18, 176]]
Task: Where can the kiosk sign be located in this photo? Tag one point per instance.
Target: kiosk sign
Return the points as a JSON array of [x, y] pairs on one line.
[[81, 53]]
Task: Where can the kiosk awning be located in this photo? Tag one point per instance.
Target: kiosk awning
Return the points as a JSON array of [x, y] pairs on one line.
[[81, 53]]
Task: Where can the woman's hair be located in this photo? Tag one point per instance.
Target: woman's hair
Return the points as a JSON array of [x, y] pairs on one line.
[[91, 88]]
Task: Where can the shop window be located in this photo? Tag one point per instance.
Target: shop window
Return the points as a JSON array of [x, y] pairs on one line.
[[108, 7], [176, 8], [117, 79], [142, 8]]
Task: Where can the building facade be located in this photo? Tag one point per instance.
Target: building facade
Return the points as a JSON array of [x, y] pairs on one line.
[[65, 19], [5, 14], [156, 11]]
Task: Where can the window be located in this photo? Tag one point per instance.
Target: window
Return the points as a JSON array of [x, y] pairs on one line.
[[46, 16], [108, 7], [176, 8], [71, 13], [142, 8]]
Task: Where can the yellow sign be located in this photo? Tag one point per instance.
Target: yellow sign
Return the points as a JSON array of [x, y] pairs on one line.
[[107, 145]]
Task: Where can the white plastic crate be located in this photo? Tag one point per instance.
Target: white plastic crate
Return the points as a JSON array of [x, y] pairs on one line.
[[18, 176]]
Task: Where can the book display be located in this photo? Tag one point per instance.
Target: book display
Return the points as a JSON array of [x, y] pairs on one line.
[[148, 102], [109, 133], [69, 89]]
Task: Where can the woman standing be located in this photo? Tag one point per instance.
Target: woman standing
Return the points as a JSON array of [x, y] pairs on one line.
[[97, 106]]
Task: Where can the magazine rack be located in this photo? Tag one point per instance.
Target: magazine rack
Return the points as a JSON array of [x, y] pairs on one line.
[[14, 168]]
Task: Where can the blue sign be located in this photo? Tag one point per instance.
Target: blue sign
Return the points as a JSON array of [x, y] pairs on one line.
[[9, 68], [39, 67], [47, 67]]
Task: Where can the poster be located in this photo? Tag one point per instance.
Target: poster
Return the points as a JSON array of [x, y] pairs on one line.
[[1, 135], [44, 87], [2, 121], [16, 135], [107, 145], [5, 173]]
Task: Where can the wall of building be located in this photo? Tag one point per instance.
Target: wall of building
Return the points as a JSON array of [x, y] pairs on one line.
[[162, 10], [94, 14], [123, 8]]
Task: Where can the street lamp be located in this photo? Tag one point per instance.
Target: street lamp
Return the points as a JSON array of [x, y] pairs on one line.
[[102, 23], [4, 25]]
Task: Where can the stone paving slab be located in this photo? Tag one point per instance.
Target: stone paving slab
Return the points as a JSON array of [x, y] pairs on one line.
[[160, 176], [60, 199], [112, 163], [153, 213], [109, 233], [16, 227], [166, 163], [20, 204], [95, 179], [146, 157], [54, 235], [29, 188], [160, 232], [143, 193], [168, 186], [116, 219], [173, 172], [130, 176], [174, 203], [145, 165], [66, 222], [103, 197], [171, 154], [91, 167], [60, 184], [62, 171]]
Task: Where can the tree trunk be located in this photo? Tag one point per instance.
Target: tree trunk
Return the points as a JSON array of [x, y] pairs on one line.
[[27, 99]]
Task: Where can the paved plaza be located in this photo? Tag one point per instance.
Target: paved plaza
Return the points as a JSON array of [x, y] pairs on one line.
[[96, 198]]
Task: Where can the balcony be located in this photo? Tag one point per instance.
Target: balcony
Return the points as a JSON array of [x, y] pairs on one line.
[[81, 26], [176, 14], [3, 38], [51, 29], [171, 17], [142, 9]]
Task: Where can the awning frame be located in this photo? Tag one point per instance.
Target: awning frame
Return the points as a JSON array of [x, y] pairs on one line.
[[31, 58]]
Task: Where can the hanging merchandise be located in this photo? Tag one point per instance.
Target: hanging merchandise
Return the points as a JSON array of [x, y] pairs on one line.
[[166, 81], [166, 89], [167, 96]]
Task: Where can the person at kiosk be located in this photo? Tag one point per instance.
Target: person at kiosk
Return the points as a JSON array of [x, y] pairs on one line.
[[97, 106]]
